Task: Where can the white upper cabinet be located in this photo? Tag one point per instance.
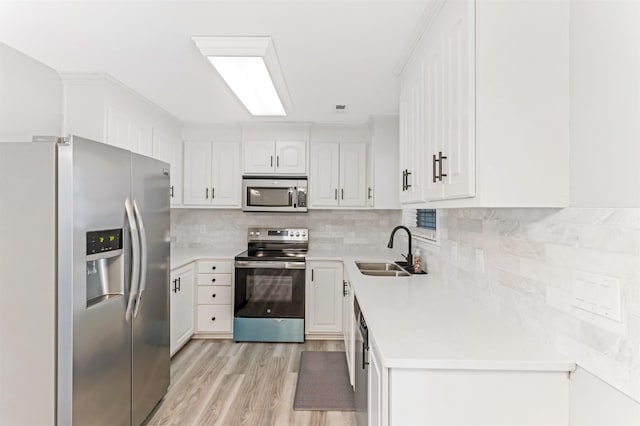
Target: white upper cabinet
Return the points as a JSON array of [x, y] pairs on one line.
[[324, 174], [275, 157], [166, 149], [353, 174], [484, 107], [338, 175], [99, 107], [212, 174], [226, 178]]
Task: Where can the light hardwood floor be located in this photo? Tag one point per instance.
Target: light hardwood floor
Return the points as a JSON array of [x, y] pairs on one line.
[[225, 383]]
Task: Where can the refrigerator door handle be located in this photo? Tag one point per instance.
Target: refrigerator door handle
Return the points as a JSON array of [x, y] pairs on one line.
[[143, 257], [135, 259]]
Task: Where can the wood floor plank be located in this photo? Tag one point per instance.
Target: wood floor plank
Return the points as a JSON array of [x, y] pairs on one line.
[[217, 382]]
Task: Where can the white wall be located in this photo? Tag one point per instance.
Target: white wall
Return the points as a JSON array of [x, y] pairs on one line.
[[211, 133], [605, 103], [30, 98]]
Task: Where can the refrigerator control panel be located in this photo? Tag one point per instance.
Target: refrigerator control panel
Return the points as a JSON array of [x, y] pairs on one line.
[[104, 241]]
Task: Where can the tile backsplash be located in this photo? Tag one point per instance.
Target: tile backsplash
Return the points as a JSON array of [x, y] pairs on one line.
[[358, 230], [523, 263]]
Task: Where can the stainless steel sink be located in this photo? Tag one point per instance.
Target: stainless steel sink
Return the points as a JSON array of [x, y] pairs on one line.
[[385, 273], [378, 266], [381, 269]]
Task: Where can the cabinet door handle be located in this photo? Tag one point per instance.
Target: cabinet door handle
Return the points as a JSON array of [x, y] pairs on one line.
[[312, 275], [171, 191], [369, 193], [335, 195], [408, 185], [364, 355], [213, 193], [342, 193], [175, 286], [345, 292], [277, 161], [272, 161], [179, 284], [433, 168], [404, 179], [213, 280], [206, 194], [440, 158], [213, 318]]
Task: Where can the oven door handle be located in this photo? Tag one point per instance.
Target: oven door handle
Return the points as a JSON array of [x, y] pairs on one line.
[[242, 264]]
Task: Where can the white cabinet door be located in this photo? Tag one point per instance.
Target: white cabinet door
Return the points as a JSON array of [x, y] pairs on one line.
[[197, 173], [353, 174], [291, 157], [348, 327], [142, 140], [412, 164], [175, 178], [259, 156], [324, 174], [450, 104], [182, 307], [324, 297], [118, 126], [226, 178], [376, 390]]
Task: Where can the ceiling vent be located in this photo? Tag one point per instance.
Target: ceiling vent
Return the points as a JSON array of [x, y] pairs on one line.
[[341, 108]]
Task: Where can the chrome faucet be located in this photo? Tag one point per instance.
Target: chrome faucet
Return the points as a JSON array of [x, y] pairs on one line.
[[409, 256]]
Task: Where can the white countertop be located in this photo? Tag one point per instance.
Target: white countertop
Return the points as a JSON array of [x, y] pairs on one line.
[[339, 254], [417, 322], [181, 257]]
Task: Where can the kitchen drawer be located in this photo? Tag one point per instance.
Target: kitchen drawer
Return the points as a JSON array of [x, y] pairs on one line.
[[214, 295], [214, 318], [214, 279], [214, 266]]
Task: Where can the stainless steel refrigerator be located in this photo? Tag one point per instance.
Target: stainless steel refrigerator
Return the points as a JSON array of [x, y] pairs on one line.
[[101, 275]]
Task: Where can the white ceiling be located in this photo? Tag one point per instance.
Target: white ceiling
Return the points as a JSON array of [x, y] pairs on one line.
[[331, 51]]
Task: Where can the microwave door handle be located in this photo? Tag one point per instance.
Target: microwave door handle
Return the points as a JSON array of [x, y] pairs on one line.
[[295, 198]]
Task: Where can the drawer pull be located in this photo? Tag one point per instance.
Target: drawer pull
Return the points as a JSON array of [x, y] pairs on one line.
[[213, 280], [213, 295], [213, 267], [213, 318]]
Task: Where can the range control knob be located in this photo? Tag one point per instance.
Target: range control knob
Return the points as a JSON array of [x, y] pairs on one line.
[[304, 235], [291, 234], [251, 234], [297, 234], [257, 233]]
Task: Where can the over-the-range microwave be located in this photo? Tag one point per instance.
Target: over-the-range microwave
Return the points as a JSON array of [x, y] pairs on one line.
[[274, 194]]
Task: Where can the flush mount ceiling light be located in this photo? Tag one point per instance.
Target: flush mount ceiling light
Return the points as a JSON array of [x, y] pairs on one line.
[[250, 67]]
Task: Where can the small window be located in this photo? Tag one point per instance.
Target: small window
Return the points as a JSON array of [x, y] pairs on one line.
[[422, 222], [426, 218]]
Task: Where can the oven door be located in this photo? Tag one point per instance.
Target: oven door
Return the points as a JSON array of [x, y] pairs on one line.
[[266, 289]]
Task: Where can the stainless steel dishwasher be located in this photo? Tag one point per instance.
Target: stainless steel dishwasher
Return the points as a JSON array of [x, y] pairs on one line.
[[361, 365]]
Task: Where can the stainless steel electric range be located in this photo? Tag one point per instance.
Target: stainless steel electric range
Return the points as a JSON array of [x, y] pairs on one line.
[[269, 286]]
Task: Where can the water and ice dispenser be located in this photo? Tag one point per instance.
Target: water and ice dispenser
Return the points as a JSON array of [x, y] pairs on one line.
[[105, 265]]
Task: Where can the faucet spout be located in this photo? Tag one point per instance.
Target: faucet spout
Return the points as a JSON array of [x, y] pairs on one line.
[[409, 256]]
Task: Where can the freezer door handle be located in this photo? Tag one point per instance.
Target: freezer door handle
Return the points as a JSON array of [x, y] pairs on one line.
[[135, 259], [143, 257]]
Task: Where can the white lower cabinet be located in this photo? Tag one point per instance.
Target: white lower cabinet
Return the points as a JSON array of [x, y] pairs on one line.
[[324, 298], [348, 326], [448, 397], [214, 297], [181, 307]]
